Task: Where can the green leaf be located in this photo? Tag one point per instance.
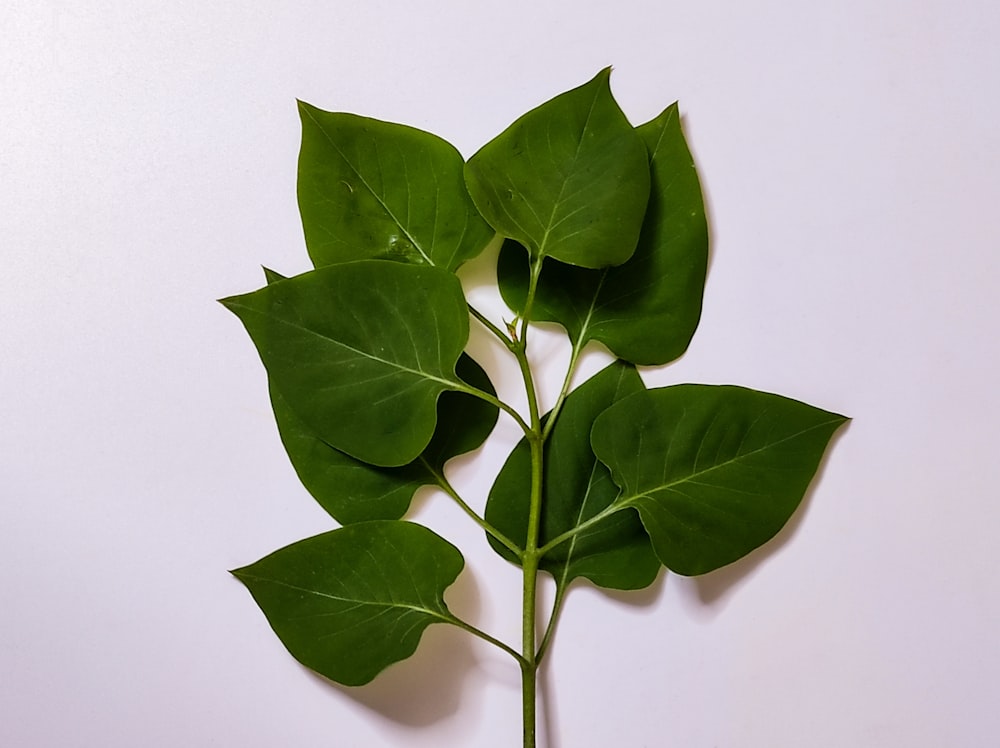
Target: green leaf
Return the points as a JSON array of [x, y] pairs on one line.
[[646, 310], [371, 189], [615, 552], [715, 471], [464, 421], [350, 602], [568, 180], [273, 276], [354, 491], [361, 352]]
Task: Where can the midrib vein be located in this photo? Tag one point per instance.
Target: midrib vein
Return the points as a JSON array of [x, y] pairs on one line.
[[690, 477]]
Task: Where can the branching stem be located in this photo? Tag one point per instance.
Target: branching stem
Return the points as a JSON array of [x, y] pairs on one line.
[[449, 489], [485, 322]]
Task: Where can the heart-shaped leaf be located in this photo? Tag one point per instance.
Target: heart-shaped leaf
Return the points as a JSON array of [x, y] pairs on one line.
[[646, 310], [615, 552], [361, 351], [568, 180], [354, 491], [715, 471], [372, 189], [350, 602]]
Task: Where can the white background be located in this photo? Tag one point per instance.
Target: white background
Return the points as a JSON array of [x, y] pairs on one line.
[[850, 155]]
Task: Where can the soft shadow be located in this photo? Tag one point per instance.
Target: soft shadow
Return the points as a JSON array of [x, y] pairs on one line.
[[644, 598], [481, 270], [709, 592], [548, 712], [430, 685], [486, 351], [479, 283], [548, 717], [423, 689], [421, 497]]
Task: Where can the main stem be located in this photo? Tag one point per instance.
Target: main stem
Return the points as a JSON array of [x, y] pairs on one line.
[[529, 565], [531, 556], [529, 664]]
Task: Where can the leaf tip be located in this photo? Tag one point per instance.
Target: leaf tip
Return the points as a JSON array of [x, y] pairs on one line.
[[272, 276], [603, 76], [307, 110]]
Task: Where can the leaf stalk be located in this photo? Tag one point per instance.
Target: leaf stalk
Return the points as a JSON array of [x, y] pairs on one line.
[[570, 534], [477, 632], [574, 358], [485, 322], [495, 401], [550, 629], [445, 485]]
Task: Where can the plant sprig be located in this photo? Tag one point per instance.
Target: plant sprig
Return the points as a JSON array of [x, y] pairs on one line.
[[603, 231]]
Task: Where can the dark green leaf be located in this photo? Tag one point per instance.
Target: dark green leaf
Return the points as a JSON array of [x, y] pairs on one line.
[[371, 189], [349, 489], [273, 276], [354, 491], [615, 552], [464, 421], [361, 351], [715, 471], [350, 602], [646, 310], [568, 180]]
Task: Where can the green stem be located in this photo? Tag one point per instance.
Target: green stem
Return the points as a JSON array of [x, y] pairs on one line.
[[557, 606], [465, 626], [485, 322], [449, 489], [574, 358], [569, 534], [567, 381], [529, 661], [529, 300], [531, 555], [561, 586], [492, 400], [529, 565]]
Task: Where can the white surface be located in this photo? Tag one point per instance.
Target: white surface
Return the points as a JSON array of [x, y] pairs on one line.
[[850, 156]]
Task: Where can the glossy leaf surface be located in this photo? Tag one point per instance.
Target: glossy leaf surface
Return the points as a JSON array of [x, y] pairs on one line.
[[361, 351], [646, 310], [350, 602], [614, 553], [568, 180], [715, 471], [354, 491], [372, 189]]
